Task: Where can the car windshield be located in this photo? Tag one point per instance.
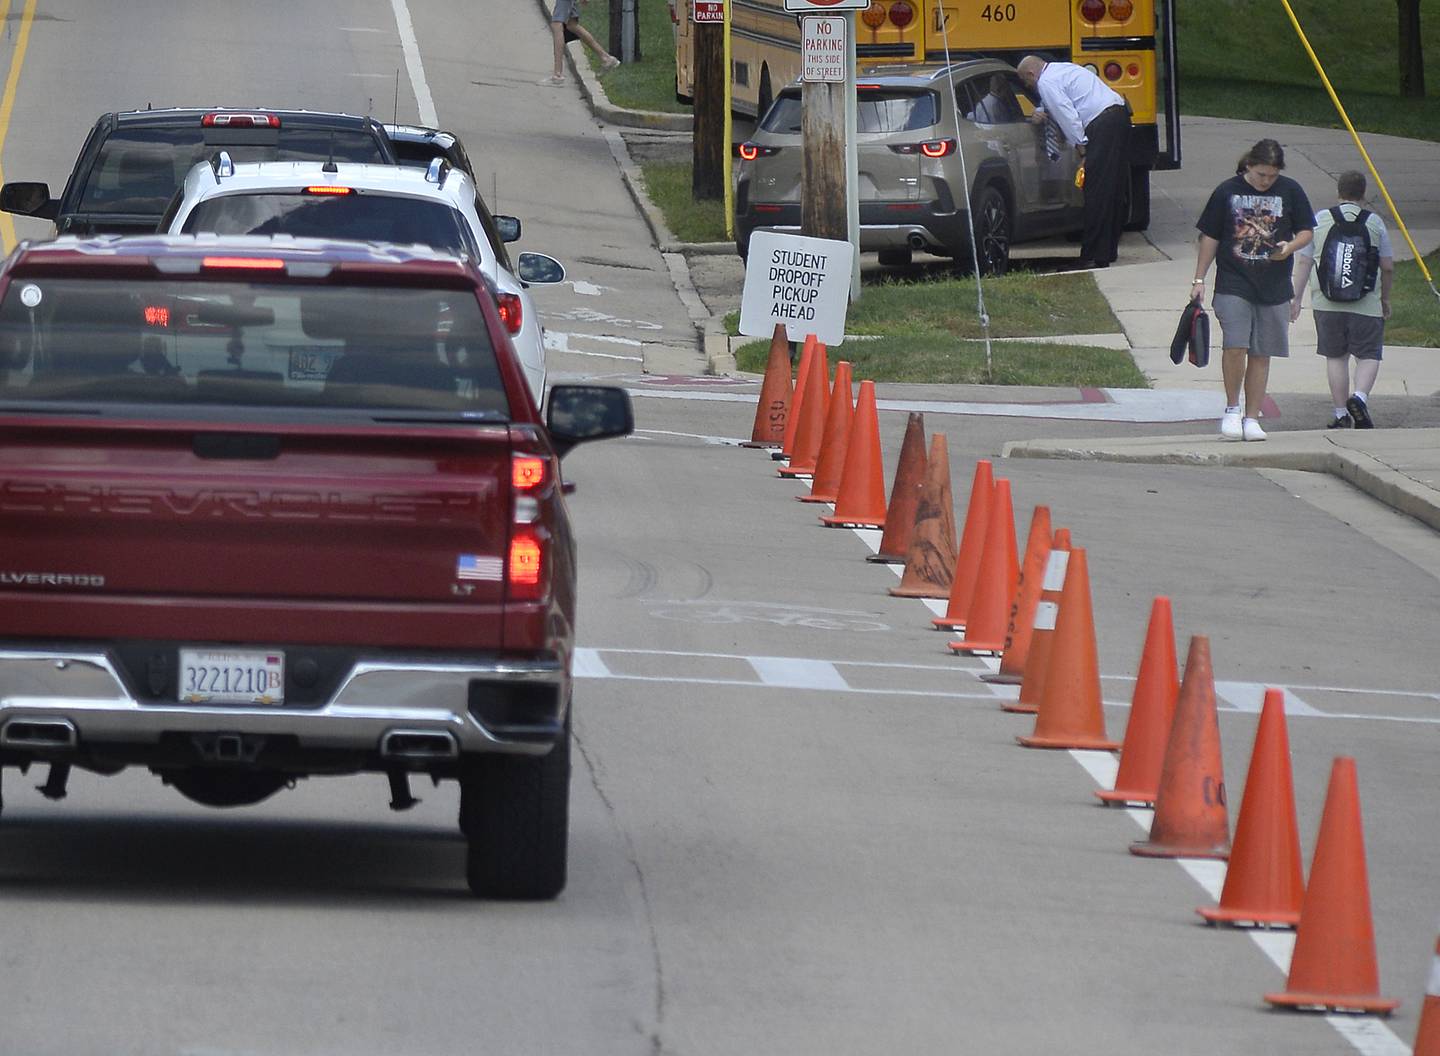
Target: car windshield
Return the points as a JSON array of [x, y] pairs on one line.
[[243, 344], [361, 216], [139, 169], [877, 110]]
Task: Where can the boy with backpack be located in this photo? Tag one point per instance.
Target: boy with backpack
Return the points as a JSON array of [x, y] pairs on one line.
[[1351, 258]]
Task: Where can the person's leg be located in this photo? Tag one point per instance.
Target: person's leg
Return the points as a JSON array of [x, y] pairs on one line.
[[1233, 372], [557, 32], [1337, 373], [590, 42], [1366, 371], [1106, 165], [1269, 339], [1257, 377]]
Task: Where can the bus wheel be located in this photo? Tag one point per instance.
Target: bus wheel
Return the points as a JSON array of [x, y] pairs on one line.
[[767, 95], [992, 230], [1139, 218]]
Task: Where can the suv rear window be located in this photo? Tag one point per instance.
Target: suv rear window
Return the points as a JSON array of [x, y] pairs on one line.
[[242, 344], [139, 169], [878, 110], [361, 216]]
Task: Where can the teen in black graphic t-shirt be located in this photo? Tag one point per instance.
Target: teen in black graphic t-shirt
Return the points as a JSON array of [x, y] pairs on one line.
[[1252, 225]]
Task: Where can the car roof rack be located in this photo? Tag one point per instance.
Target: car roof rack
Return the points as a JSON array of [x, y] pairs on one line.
[[439, 168], [221, 164]]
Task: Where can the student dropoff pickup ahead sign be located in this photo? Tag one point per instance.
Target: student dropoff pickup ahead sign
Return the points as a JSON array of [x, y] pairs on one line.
[[799, 281]]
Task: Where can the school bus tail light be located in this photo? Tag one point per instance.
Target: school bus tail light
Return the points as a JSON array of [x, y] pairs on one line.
[[1092, 10], [1113, 71], [874, 15], [901, 14], [1121, 10]]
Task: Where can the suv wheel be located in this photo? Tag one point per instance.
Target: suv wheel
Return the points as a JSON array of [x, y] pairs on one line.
[[515, 812], [993, 225]]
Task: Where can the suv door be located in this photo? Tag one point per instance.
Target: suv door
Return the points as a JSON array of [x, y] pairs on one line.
[[1042, 164]]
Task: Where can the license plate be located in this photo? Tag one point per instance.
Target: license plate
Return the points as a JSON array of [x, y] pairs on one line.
[[213, 677]]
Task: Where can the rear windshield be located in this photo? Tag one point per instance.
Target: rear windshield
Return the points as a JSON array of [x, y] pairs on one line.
[[138, 169], [877, 110], [366, 217], [247, 345]]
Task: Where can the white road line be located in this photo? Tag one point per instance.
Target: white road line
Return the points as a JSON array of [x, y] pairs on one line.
[[714, 441], [589, 664], [413, 65], [1248, 697], [797, 674]]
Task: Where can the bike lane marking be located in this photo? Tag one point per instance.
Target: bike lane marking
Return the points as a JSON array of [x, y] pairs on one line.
[[797, 674]]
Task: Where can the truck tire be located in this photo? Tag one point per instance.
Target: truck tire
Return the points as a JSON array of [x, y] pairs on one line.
[[514, 811], [1139, 217]]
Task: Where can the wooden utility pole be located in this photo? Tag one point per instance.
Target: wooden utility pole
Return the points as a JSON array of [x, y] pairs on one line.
[[1412, 56], [708, 180], [822, 167]]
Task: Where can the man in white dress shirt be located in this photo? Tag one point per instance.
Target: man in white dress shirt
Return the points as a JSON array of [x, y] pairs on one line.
[[1096, 119]]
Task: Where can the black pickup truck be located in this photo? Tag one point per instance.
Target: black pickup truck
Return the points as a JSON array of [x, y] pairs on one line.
[[133, 161]]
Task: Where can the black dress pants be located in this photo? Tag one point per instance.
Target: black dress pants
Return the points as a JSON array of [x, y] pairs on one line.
[[1107, 184]]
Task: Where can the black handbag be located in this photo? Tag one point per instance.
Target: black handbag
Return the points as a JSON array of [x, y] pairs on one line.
[[1192, 336]]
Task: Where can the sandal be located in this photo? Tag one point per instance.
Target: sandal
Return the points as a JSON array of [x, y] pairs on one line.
[[610, 63], [552, 80]]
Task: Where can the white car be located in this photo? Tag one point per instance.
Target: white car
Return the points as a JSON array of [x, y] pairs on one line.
[[436, 206]]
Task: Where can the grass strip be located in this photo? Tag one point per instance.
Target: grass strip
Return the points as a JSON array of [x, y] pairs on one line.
[[669, 186], [1414, 309], [650, 83], [939, 359]]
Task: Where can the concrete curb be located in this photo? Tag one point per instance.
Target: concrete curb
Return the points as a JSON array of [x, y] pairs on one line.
[[1310, 452]]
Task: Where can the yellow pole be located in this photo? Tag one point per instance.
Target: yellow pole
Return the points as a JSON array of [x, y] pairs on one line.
[[1419, 259], [729, 198]]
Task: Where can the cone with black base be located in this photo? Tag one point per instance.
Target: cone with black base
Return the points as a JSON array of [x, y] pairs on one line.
[[1264, 885], [860, 500], [972, 546], [834, 441], [813, 408], [930, 564], [775, 395], [1191, 819], [1071, 714], [1042, 628], [904, 495], [1333, 967], [1152, 709], [1020, 625]]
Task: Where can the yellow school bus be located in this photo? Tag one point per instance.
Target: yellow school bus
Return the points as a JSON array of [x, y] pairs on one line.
[[1130, 44]]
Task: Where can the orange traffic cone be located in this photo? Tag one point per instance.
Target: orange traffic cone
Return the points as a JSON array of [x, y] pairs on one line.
[[904, 495], [995, 585], [1264, 884], [860, 499], [835, 439], [930, 564], [1190, 816], [1071, 714], [972, 544], [1333, 966], [1152, 709], [810, 430], [774, 406], [1427, 1035], [1042, 628], [1021, 622], [802, 379]]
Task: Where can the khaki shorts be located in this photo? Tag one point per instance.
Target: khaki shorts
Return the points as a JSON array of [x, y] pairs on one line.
[[1349, 334], [1260, 329]]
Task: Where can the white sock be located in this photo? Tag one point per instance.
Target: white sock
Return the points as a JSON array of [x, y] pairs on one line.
[[1232, 410], [1361, 396], [1341, 412]]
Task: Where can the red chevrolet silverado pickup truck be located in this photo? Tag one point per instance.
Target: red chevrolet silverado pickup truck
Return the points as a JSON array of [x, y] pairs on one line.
[[275, 508]]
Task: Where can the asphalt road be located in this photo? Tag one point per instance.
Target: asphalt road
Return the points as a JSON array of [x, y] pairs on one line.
[[799, 825]]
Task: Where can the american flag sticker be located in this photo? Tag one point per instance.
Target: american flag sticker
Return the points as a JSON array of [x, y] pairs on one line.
[[477, 566]]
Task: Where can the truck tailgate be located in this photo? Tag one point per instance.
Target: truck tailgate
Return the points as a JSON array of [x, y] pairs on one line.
[[393, 537]]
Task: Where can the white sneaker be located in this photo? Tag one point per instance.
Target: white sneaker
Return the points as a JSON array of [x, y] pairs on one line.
[[1251, 430], [1230, 427]]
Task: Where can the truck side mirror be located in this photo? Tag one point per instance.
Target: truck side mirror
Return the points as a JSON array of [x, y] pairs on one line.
[[577, 414], [29, 199]]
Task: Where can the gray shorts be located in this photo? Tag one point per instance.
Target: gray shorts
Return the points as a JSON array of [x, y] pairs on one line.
[[565, 11], [1261, 329], [1341, 334]]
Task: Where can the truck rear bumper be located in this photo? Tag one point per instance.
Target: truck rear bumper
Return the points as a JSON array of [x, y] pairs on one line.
[[406, 713]]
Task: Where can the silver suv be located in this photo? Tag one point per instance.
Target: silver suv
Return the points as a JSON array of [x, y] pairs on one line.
[[912, 197]]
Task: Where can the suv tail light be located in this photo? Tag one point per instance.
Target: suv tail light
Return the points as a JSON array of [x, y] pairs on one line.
[[901, 14], [240, 121], [512, 313], [326, 188], [751, 151], [931, 148]]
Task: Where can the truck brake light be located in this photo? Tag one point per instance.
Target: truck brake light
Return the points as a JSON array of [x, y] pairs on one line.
[[526, 562], [240, 121], [252, 263], [527, 473], [326, 188]]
